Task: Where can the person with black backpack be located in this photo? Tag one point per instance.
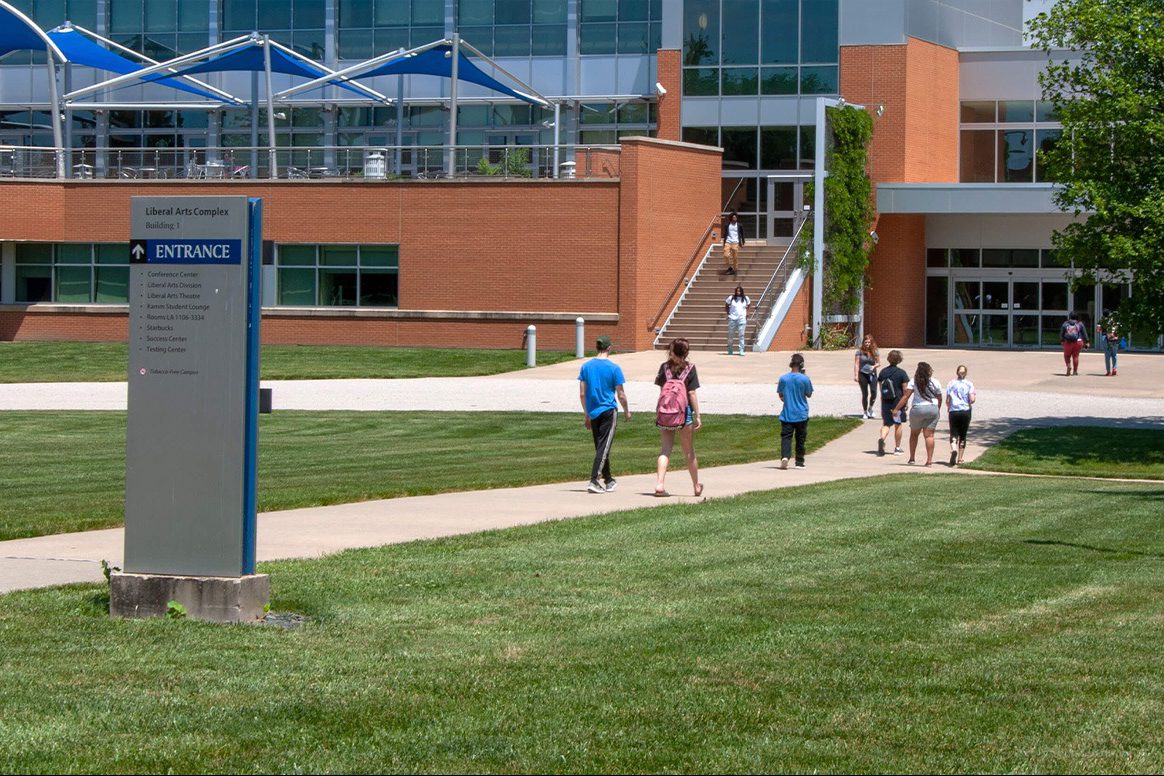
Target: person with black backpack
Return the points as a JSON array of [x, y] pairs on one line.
[[677, 412], [891, 384]]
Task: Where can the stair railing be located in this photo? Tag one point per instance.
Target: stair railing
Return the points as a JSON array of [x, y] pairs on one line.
[[685, 279], [771, 291]]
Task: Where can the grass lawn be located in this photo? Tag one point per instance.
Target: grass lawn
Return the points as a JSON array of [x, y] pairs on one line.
[[65, 471], [1073, 451], [903, 624], [46, 362]]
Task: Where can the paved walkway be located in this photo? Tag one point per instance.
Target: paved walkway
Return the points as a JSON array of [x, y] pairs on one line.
[[1016, 389]]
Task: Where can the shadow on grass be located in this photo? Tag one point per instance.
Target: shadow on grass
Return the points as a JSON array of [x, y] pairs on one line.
[[1091, 548]]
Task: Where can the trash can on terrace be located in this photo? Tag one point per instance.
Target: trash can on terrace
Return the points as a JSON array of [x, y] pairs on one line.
[[568, 169], [375, 165]]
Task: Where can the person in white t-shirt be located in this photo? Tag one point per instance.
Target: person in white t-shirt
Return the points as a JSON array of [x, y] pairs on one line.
[[926, 395], [960, 396], [736, 306]]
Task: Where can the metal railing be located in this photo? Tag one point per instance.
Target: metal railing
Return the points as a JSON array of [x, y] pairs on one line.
[[765, 305], [685, 280], [315, 162]]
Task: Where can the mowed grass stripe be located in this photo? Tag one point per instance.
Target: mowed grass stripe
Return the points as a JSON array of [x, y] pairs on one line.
[[42, 362], [1080, 451], [897, 624], [65, 471]]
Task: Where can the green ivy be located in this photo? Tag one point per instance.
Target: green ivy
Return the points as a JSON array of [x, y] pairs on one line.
[[848, 211]]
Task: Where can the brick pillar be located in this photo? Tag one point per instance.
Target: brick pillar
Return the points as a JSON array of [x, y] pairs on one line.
[[670, 75]]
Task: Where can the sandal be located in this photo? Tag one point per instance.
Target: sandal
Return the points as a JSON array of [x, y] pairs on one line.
[[699, 490], [660, 493]]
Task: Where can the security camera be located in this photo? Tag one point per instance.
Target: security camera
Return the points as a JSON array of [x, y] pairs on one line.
[[660, 89]]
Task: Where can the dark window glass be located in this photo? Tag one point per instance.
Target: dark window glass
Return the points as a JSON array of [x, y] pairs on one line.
[[740, 37], [161, 16], [480, 37], [1045, 140], [391, 13], [936, 257], [512, 12], [34, 284], [239, 15], [297, 287], [549, 11], [634, 38], [599, 10], [74, 284], [1045, 111], [549, 40], [700, 32], [818, 31], [701, 81], [125, 16], [778, 148], [978, 112], [1016, 111], [780, 42], [597, 38], [1025, 257], [511, 41], [378, 288], [818, 80], [739, 81], [633, 10], [778, 80], [355, 44], [995, 257], [964, 257], [391, 39], [355, 13], [1025, 296], [807, 146], [308, 14], [425, 12], [708, 136], [475, 12], [112, 284], [273, 15], [1019, 147], [937, 320], [739, 148]]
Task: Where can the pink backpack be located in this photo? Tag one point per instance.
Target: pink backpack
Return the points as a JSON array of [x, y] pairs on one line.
[[671, 411]]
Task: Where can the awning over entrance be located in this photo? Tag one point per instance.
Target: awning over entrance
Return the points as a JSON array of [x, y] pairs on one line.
[[966, 198]]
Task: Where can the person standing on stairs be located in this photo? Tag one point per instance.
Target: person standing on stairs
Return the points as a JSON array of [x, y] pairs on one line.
[[736, 306], [733, 240]]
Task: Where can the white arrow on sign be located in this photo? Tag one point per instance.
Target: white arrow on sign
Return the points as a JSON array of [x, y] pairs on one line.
[[138, 251]]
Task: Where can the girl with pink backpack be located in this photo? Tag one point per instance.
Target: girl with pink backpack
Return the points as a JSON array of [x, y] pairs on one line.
[[677, 412]]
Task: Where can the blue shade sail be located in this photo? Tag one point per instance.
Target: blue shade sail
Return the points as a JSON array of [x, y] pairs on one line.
[[250, 60], [16, 34], [82, 50], [438, 61]]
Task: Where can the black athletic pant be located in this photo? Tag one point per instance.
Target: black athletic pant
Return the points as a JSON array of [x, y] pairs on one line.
[[959, 425], [786, 431], [868, 393], [602, 428]]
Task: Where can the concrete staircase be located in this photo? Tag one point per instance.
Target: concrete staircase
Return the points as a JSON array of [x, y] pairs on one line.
[[699, 315]]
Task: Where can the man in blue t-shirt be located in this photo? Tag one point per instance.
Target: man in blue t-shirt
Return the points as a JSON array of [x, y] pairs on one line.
[[794, 389], [599, 384]]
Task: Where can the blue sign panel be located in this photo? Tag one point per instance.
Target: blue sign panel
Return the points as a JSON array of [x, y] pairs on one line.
[[185, 252]]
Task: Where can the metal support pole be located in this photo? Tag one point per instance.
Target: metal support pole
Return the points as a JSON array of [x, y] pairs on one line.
[[271, 152], [254, 126], [579, 338], [818, 222], [456, 53], [55, 113], [558, 139], [531, 345], [398, 157]]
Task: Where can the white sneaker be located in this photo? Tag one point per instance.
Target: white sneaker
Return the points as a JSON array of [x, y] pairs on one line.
[[898, 451], [611, 485], [595, 487], [783, 463]]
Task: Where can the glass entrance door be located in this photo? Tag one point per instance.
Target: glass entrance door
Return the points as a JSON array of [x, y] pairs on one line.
[[785, 205]]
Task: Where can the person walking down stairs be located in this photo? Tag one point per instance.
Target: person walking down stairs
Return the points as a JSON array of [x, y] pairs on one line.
[[733, 240]]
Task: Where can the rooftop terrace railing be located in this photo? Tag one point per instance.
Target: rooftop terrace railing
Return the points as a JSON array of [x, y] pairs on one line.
[[313, 163]]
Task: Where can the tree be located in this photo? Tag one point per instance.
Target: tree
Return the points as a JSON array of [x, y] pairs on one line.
[[1105, 79]]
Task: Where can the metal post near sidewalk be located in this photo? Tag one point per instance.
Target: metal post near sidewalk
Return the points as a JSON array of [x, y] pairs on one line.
[[531, 345], [579, 337]]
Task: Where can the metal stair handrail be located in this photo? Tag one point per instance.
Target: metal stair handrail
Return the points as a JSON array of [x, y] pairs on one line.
[[780, 265], [683, 276]]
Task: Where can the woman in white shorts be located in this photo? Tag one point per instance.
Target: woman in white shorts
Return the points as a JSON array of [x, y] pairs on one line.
[[925, 393]]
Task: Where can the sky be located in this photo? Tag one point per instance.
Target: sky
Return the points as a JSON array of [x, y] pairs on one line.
[[1032, 8]]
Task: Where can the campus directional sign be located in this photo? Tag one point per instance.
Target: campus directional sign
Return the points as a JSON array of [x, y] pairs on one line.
[[193, 386]]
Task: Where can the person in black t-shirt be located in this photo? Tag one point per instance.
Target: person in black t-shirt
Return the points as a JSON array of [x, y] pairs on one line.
[[891, 384]]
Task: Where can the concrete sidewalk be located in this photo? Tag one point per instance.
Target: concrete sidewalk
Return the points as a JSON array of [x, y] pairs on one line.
[[1016, 390]]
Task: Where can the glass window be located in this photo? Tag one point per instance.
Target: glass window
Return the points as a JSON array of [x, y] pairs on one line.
[[978, 112], [1045, 140], [779, 80], [73, 284], [807, 146], [708, 136], [1025, 330], [1016, 111], [994, 329], [937, 321], [475, 12], [599, 10], [549, 11], [112, 283], [995, 294], [378, 288], [935, 257], [778, 148], [1045, 111], [549, 40], [967, 295], [818, 31], [297, 287], [74, 253], [739, 37], [700, 81], [976, 155], [634, 38], [964, 257], [512, 12], [34, 283], [739, 81], [700, 32], [344, 275], [511, 41], [819, 80], [739, 148], [780, 43], [1025, 296], [597, 38], [1019, 148]]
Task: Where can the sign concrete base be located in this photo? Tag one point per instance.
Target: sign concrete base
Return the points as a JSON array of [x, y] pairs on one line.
[[213, 599]]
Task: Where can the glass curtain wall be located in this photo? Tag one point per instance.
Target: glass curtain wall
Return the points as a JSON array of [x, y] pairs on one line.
[[1000, 140], [514, 28], [767, 50], [371, 27]]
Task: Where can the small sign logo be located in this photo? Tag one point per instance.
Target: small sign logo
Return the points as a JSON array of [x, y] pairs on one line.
[[137, 252]]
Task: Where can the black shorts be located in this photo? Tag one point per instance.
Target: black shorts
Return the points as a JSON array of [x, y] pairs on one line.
[[887, 414]]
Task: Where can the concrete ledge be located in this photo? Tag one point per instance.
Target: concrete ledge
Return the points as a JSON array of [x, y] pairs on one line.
[[213, 599]]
